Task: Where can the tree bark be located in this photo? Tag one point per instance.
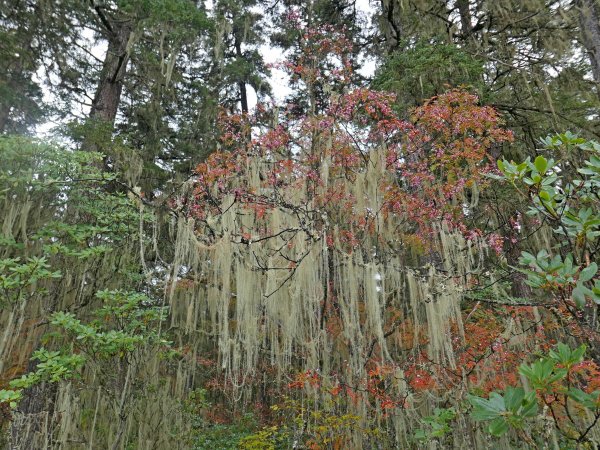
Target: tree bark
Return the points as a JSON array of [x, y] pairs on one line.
[[589, 21], [108, 93], [4, 114], [241, 83], [392, 25], [36, 411], [243, 97], [465, 17]]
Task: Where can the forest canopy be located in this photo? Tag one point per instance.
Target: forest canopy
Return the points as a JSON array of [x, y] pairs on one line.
[[386, 236]]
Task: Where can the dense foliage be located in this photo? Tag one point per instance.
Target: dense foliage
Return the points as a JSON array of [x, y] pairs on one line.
[[399, 259]]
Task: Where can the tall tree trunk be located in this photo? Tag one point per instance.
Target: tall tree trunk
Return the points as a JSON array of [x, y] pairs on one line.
[[108, 93], [36, 410], [243, 97], [4, 114], [110, 85], [242, 83], [391, 23], [465, 17], [589, 20]]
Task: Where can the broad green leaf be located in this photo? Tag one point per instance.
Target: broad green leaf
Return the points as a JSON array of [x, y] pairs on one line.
[[530, 406], [578, 297], [498, 426], [513, 397], [589, 272], [590, 401], [486, 409], [541, 164]]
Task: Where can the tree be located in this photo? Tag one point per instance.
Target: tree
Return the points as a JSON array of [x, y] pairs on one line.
[[237, 58], [350, 269], [64, 228], [300, 224], [22, 47], [529, 52], [589, 19]]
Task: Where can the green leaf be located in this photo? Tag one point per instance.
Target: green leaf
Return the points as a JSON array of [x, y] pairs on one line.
[[590, 401], [498, 427], [589, 272], [542, 373], [541, 164], [11, 397], [487, 409], [578, 297], [530, 406], [513, 397], [563, 354]]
